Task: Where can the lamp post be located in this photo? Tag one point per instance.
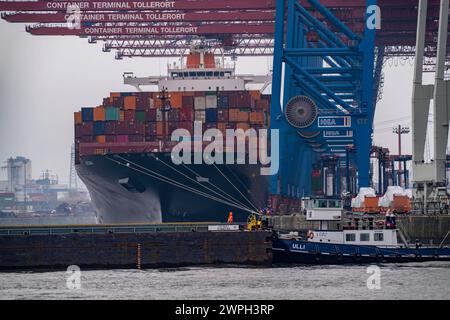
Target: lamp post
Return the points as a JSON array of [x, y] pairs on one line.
[[399, 130]]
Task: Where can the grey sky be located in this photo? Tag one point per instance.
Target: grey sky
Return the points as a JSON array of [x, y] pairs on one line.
[[44, 80]]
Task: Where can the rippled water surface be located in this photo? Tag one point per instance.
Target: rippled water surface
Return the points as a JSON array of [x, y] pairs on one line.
[[398, 281]]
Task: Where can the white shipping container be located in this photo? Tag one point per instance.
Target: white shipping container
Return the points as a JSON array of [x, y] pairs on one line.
[[200, 103], [211, 102], [200, 116], [159, 116]]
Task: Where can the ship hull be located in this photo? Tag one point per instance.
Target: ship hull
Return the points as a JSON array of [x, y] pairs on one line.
[[148, 187], [305, 252]]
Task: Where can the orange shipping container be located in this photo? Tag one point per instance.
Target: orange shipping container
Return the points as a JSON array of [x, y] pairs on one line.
[[156, 101], [176, 100], [222, 126], [77, 117], [193, 60], [401, 204], [209, 60], [233, 115], [100, 139], [256, 94], [242, 125], [99, 114], [371, 204], [256, 117], [159, 129], [114, 94], [129, 103], [243, 116]]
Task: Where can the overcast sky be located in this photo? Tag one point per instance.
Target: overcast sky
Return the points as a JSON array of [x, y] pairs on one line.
[[43, 80]]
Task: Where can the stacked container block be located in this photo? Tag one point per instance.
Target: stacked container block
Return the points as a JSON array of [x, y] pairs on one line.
[[137, 116]]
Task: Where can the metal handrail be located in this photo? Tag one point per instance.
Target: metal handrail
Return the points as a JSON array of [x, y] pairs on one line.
[[61, 230]]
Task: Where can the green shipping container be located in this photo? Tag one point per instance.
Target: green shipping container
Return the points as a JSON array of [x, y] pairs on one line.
[[211, 93], [140, 116], [112, 114]]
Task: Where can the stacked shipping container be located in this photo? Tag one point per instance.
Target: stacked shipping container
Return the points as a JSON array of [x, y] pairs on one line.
[[137, 117]]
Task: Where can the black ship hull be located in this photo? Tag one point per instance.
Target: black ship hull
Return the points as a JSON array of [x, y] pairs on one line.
[[148, 187]]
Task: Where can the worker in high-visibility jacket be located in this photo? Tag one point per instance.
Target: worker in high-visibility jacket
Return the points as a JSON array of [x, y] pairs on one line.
[[230, 217]]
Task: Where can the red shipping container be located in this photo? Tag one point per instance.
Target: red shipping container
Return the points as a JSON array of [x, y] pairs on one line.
[[150, 115], [172, 126], [186, 114], [174, 115], [222, 115], [122, 138], [233, 101], [246, 101], [135, 138], [150, 129], [111, 138], [142, 103], [78, 131], [188, 125], [87, 128], [130, 115], [187, 102], [117, 102], [110, 127], [87, 139], [264, 104], [150, 138]]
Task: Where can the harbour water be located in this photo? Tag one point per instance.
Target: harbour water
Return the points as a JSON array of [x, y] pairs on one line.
[[430, 280]]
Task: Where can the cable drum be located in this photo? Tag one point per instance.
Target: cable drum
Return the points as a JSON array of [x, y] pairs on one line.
[[309, 134], [301, 112]]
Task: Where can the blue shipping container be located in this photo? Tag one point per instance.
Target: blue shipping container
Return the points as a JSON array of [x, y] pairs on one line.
[[87, 114], [99, 128], [211, 115], [223, 102]]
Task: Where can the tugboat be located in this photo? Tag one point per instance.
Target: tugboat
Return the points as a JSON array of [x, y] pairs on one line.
[[352, 243]]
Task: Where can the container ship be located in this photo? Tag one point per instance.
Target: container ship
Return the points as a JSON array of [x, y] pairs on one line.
[[124, 147]]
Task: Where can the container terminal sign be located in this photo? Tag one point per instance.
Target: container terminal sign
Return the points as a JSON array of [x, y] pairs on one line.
[[335, 122], [133, 5], [114, 5]]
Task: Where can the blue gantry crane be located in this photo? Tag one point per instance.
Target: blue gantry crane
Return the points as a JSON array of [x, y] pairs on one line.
[[323, 94]]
